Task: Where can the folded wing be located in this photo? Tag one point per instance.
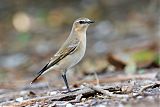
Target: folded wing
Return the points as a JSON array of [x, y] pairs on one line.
[[62, 53]]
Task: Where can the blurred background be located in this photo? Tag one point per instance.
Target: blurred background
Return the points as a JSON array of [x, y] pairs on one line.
[[125, 37]]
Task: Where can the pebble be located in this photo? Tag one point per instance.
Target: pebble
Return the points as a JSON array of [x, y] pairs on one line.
[[70, 105], [20, 99], [53, 93]]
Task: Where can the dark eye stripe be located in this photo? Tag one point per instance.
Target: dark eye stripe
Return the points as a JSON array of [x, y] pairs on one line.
[[82, 22]]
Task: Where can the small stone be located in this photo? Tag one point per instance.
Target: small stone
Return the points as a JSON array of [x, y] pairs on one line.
[[83, 99], [69, 105], [22, 93], [20, 99], [120, 105], [37, 105], [53, 93], [81, 86], [100, 105], [61, 104], [139, 97]]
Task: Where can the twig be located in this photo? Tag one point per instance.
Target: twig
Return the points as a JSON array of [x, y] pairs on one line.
[[99, 89], [146, 87], [97, 79], [77, 100], [106, 93]]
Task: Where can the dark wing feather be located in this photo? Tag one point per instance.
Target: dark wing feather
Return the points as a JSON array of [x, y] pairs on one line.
[[39, 73], [66, 52]]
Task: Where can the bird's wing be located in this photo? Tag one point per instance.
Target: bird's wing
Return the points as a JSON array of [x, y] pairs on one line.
[[62, 53], [66, 47]]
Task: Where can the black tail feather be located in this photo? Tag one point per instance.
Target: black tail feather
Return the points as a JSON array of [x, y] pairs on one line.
[[40, 73], [43, 69], [35, 79]]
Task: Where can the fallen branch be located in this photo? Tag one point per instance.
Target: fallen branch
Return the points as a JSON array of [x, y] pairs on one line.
[[99, 89], [141, 92], [105, 92]]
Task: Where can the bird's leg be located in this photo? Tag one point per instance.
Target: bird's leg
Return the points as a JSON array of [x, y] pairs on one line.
[[65, 80]]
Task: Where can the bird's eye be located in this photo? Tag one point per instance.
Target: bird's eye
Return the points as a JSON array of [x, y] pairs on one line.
[[82, 22]]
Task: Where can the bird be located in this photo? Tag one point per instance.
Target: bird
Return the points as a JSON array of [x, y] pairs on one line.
[[71, 51]]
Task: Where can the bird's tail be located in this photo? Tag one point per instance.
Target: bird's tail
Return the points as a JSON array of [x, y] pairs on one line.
[[35, 79], [40, 73]]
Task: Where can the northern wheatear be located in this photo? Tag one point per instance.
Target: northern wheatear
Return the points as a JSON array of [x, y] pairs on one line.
[[71, 52]]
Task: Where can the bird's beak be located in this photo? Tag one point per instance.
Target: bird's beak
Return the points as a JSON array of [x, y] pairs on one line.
[[90, 22]]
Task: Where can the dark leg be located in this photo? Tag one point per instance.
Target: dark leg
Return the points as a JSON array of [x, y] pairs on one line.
[[65, 81]]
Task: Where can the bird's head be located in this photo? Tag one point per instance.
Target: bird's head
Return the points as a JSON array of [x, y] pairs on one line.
[[81, 24]]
